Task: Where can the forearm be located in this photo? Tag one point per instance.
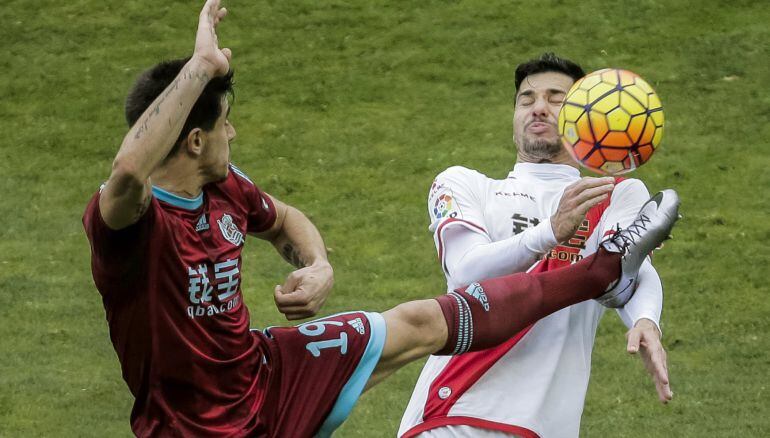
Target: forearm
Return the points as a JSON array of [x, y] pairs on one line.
[[153, 136], [468, 261], [299, 241], [647, 302]]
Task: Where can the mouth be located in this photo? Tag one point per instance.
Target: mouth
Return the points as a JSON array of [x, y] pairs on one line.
[[540, 127]]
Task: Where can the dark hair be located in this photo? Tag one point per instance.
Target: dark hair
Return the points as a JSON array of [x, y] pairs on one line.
[[152, 82], [547, 62]]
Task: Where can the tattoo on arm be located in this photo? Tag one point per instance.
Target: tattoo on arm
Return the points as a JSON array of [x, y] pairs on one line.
[[142, 208], [291, 255], [186, 75]]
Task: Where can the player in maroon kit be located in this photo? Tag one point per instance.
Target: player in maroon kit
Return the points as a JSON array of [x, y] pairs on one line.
[[167, 230]]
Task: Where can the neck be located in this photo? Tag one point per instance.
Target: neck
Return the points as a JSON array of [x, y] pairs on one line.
[[560, 158], [180, 177]]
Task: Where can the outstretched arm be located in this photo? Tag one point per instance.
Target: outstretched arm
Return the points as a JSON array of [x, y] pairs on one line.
[[299, 243], [127, 194]]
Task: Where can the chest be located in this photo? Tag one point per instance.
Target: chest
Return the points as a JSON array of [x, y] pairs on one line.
[[206, 257], [210, 235], [512, 206]]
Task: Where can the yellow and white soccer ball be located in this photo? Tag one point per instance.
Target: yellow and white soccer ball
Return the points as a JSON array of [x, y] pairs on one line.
[[611, 121]]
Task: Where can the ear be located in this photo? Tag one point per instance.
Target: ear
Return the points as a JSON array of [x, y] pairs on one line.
[[195, 142]]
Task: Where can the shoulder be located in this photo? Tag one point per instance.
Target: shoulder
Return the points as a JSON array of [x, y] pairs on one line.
[[236, 178], [237, 183], [96, 228], [240, 175], [239, 190], [457, 193], [459, 180], [116, 253], [460, 173], [630, 190], [628, 196]]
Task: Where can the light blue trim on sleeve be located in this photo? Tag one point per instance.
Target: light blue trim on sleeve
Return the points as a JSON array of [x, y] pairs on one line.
[[355, 385], [178, 201]]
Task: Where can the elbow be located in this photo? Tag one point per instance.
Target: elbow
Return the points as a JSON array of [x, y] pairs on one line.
[[125, 174], [463, 275]]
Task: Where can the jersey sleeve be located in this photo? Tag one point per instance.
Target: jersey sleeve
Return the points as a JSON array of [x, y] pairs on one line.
[[647, 302], [261, 210], [117, 254], [627, 198], [456, 211], [457, 197]]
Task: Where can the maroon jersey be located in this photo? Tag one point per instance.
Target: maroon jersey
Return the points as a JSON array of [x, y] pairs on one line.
[[171, 288]]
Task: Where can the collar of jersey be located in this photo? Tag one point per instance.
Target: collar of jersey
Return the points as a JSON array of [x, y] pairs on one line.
[[178, 201], [544, 171]]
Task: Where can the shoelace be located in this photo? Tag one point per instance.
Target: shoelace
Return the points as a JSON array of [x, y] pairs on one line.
[[629, 235]]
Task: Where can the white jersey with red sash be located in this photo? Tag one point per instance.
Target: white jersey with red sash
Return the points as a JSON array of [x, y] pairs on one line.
[[534, 384]]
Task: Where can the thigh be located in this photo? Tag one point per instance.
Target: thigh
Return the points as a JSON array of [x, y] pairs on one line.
[[323, 368]]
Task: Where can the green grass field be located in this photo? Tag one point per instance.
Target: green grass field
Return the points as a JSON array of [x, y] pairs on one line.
[[348, 110]]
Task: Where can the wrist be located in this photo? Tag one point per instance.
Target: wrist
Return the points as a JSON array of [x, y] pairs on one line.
[[199, 64], [555, 229], [321, 264], [646, 323]]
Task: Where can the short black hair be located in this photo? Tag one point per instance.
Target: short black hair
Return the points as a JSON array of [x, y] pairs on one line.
[[152, 82], [548, 62]]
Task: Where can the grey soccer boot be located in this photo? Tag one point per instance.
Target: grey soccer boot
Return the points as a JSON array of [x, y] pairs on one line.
[[651, 227]]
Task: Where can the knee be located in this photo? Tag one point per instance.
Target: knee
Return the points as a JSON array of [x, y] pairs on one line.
[[424, 323]]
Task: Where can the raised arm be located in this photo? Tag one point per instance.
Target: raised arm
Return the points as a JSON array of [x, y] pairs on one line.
[[127, 194]]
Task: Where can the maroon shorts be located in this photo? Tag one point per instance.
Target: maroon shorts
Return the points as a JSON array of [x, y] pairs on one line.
[[319, 370]]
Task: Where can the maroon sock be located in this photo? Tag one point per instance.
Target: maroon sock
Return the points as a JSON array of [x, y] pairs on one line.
[[490, 312]]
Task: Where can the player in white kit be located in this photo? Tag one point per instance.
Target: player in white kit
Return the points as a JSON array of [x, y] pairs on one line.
[[541, 217]]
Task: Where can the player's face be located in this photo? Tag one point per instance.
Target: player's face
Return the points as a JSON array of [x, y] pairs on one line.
[[217, 154], [538, 102]]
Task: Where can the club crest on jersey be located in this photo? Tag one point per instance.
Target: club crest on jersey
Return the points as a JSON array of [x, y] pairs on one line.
[[444, 206], [230, 231], [476, 291]]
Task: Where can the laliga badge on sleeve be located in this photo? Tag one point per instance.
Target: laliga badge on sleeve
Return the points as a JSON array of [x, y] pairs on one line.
[[444, 206]]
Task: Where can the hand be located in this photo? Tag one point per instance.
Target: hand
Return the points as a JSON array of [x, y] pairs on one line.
[[645, 338], [577, 199], [206, 42], [304, 291]]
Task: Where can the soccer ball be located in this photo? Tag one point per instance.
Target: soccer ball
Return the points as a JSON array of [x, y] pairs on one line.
[[611, 121]]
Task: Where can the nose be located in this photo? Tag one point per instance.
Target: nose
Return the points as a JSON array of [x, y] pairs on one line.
[[230, 131], [540, 108]]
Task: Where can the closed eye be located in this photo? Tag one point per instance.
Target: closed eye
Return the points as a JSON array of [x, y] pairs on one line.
[[526, 100], [556, 96]]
